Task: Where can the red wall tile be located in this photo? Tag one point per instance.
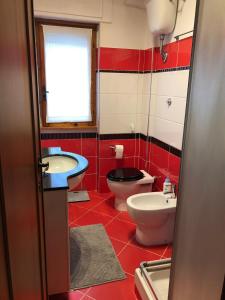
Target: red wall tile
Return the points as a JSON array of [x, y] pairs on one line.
[[89, 147], [159, 157], [159, 162], [141, 65], [106, 152], [70, 145], [126, 162], [103, 186], [90, 182], [143, 145], [141, 163], [174, 167], [106, 165], [119, 59], [171, 62], [184, 52], [148, 66], [160, 176], [92, 168]]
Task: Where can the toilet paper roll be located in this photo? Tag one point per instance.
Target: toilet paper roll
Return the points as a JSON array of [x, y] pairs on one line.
[[119, 151]]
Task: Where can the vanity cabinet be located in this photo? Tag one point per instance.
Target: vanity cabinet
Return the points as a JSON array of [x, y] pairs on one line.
[[56, 241]]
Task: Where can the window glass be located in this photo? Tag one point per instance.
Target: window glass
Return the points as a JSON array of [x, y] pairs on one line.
[[68, 73]]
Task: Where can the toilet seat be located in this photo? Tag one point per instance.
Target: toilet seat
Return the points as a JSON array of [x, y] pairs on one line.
[[125, 174]]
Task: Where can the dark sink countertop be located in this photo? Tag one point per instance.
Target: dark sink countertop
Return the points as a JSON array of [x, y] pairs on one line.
[[59, 181]]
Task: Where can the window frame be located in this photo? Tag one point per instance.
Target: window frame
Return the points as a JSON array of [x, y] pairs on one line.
[[41, 72]]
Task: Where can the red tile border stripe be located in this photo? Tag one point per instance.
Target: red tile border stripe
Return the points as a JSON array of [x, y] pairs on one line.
[[135, 60]]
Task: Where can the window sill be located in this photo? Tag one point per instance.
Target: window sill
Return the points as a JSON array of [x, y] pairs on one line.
[[68, 129]]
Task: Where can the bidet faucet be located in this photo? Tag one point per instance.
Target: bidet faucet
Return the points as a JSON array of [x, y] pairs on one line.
[[173, 191]]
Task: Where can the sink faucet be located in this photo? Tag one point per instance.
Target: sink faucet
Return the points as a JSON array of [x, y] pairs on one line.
[[172, 195], [44, 166]]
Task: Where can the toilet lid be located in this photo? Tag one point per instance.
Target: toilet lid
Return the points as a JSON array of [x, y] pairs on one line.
[[125, 174]]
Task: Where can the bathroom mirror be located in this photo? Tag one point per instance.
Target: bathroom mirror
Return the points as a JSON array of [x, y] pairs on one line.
[[131, 100]]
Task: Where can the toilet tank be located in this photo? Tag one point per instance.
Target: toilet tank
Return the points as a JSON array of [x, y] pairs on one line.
[[161, 16]]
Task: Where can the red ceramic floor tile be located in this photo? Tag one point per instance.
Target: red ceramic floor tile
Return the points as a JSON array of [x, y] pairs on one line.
[[159, 250], [76, 295], [95, 199], [168, 252], [120, 230], [107, 207], [124, 216], [131, 257], [73, 224], [95, 194], [117, 290], [93, 217], [86, 297], [117, 245], [74, 212]]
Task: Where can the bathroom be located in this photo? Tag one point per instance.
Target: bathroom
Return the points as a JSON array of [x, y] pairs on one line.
[[134, 87], [133, 122]]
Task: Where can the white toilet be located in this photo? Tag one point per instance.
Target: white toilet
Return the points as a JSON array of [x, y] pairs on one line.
[[125, 182], [154, 214]]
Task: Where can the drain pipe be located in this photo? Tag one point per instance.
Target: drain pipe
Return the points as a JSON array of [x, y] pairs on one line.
[[163, 53]]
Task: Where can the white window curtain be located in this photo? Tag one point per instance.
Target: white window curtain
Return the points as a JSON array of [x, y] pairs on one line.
[[68, 73]]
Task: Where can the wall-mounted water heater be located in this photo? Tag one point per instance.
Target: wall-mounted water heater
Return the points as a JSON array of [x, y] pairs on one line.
[[162, 16]]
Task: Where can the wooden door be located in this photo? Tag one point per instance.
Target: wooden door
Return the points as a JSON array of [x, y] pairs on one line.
[[19, 152]]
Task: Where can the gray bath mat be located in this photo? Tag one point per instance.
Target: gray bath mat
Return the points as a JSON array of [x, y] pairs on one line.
[[92, 257], [79, 196]]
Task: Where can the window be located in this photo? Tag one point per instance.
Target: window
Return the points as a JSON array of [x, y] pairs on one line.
[[67, 73]]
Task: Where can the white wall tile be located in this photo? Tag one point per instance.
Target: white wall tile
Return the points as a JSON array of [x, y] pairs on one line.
[[142, 124], [147, 83], [171, 83], [140, 83], [143, 104], [117, 123], [119, 83], [154, 86], [166, 131], [153, 100], [175, 112], [118, 103]]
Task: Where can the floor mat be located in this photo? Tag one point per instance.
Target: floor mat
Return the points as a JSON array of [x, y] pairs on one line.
[[92, 257], [79, 196]]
